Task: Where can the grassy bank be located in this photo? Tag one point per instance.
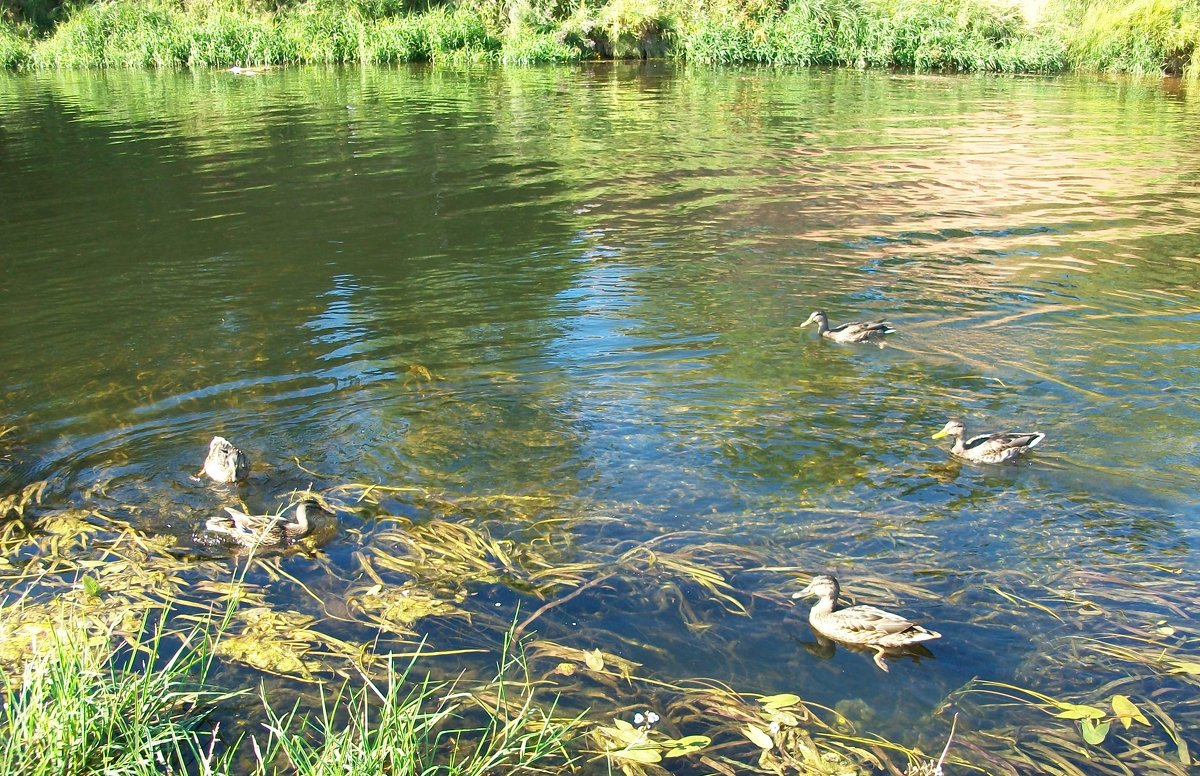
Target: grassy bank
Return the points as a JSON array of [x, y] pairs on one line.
[[144, 705], [1143, 36]]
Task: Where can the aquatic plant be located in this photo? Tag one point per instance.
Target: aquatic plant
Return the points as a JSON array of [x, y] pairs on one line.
[[411, 584]]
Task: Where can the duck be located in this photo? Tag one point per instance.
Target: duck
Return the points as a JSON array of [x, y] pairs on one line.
[[264, 530], [988, 448], [225, 463], [849, 332], [860, 625]]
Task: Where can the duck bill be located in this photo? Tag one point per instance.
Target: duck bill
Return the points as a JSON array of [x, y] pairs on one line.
[[941, 434], [804, 592]]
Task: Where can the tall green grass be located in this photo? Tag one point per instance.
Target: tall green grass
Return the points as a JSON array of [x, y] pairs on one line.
[[148, 34], [1137, 36], [411, 729], [1143, 36], [964, 35], [79, 708], [145, 706], [16, 49]]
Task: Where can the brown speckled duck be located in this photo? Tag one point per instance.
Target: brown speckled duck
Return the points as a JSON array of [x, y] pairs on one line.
[[849, 332], [860, 625], [225, 463], [988, 448], [263, 530]]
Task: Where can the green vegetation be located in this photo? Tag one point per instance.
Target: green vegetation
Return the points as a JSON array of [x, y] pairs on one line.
[[71, 711], [87, 705], [1142, 36]]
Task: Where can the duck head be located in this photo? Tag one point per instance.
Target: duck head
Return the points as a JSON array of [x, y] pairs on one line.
[[821, 585], [818, 317], [954, 427]]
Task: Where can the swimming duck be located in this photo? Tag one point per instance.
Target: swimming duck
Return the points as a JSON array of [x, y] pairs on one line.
[[225, 463], [263, 530], [860, 625], [849, 332], [988, 448]]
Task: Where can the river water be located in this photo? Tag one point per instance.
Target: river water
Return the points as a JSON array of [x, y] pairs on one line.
[[573, 296]]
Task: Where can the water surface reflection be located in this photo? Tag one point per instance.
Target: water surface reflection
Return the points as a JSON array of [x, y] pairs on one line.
[[562, 305]]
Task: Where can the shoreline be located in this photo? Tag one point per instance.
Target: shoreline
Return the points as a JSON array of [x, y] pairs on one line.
[[923, 36]]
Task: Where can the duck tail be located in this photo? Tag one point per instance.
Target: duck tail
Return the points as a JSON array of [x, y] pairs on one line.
[[922, 634], [1035, 439]]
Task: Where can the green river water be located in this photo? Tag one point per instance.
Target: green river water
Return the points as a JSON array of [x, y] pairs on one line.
[[561, 307]]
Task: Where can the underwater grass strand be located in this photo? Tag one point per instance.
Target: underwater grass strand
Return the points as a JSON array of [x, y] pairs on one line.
[[537, 548]]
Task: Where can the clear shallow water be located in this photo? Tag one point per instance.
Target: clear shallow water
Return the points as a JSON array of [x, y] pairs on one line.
[[585, 284]]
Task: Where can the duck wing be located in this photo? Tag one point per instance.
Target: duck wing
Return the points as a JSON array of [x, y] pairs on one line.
[[859, 330], [867, 620], [999, 444]]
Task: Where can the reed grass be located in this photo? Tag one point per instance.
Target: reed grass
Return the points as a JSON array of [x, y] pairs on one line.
[[1143, 36], [1150, 37], [399, 726], [78, 706], [15, 49]]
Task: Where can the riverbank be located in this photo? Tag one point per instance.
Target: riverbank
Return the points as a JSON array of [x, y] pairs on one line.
[[1148, 37], [87, 701]]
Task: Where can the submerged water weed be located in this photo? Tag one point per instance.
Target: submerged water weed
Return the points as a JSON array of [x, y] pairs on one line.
[[397, 609], [15, 504], [778, 733], [411, 579], [1083, 742]]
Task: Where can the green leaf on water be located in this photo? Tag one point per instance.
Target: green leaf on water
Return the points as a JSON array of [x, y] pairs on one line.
[[1094, 732], [1185, 667], [638, 755], [781, 701], [92, 587], [1127, 711], [758, 737], [1079, 711], [686, 745]]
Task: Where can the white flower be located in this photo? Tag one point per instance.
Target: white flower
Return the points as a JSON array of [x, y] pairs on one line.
[[645, 721]]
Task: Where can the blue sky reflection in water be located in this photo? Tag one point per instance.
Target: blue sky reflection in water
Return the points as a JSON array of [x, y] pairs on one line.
[[585, 284]]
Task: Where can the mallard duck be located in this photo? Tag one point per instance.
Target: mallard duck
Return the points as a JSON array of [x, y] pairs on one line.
[[263, 530], [988, 448], [860, 625], [225, 463], [849, 332]]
